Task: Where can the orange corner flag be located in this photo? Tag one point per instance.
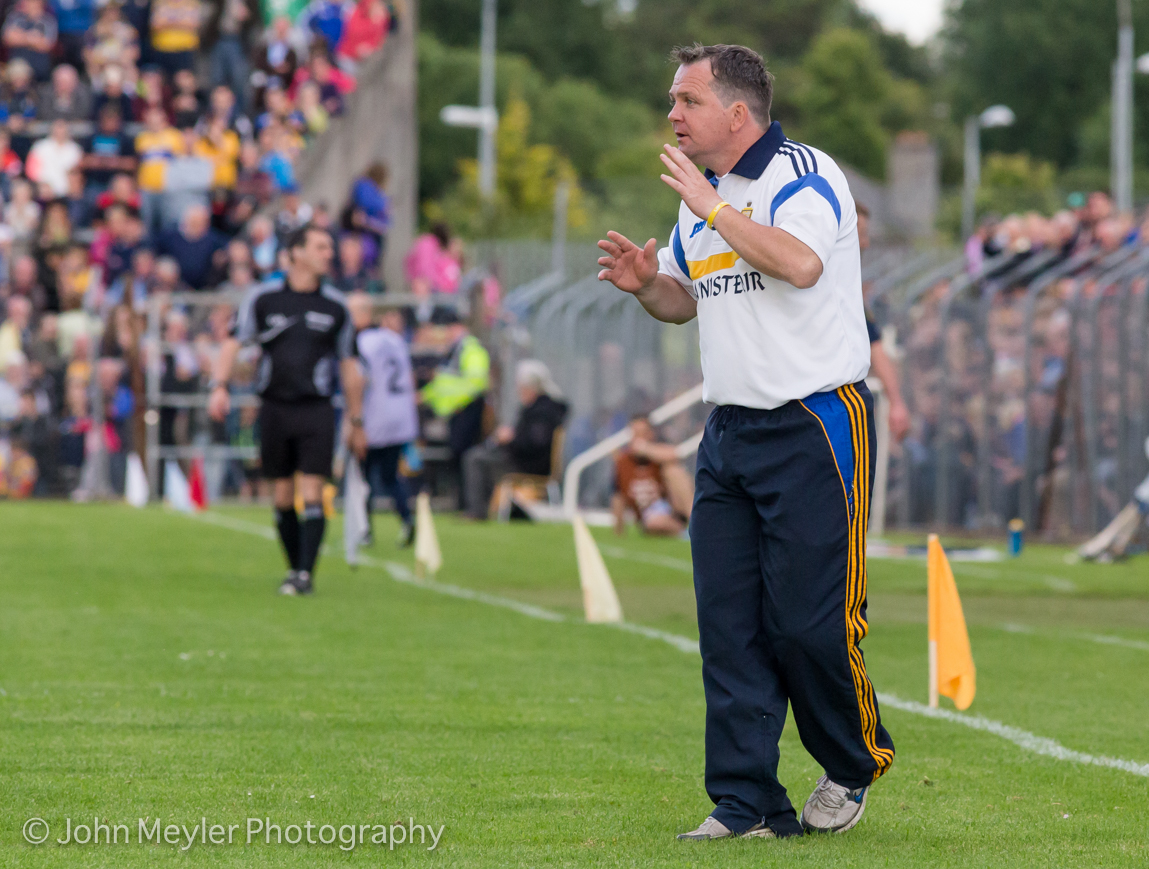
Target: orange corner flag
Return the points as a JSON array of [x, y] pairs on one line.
[[952, 672]]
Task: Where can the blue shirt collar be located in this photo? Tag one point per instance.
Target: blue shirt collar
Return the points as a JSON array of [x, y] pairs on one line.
[[757, 157]]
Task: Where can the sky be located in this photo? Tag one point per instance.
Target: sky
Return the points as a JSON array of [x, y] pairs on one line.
[[917, 19]]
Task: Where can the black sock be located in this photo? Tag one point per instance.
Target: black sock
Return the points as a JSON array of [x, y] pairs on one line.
[[311, 537], [288, 524]]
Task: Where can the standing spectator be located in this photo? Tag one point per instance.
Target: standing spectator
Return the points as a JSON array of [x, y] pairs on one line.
[[112, 42], [223, 106], [275, 158], [65, 97], [193, 246], [363, 32], [431, 265], [311, 107], [369, 211], [156, 146], [151, 92], [175, 28], [264, 244], [25, 281], [121, 190], [73, 18], [353, 275], [230, 31], [52, 158], [133, 287], [30, 35], [108, 152], [333, 82], [80, 209]]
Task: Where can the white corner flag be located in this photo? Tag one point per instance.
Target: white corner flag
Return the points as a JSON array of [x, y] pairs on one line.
[[355, 494], [136, 482], [176, 490], [428, 558], [600, 602]]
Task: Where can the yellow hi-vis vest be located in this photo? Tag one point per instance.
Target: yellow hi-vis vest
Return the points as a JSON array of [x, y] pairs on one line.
[[463, 379]]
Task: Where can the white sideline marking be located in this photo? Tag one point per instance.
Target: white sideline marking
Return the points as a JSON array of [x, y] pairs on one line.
[[1021, 738], [667, 561], [1115, 641]]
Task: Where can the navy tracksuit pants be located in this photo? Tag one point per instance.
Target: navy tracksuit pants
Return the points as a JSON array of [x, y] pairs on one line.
[[779, 537]]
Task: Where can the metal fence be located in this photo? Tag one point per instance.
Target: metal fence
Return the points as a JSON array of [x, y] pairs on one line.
[[1027, 383]]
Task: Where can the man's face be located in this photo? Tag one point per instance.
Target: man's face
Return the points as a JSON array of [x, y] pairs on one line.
[[701, 123], [315, 253], [642, 430], [60, 131]]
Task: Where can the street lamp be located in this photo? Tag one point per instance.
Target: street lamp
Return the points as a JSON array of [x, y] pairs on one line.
[[994, 116], [484, 117]]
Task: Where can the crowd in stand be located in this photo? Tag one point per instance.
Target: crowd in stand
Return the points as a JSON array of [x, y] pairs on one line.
[[1028, 353], [150, 147]]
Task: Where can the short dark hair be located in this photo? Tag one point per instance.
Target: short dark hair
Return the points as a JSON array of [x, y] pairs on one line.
[[739, 73], [298, 237]]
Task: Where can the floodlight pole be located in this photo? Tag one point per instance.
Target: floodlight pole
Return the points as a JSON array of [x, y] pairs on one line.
[[487, 98], [972, 174], [1121, 124]]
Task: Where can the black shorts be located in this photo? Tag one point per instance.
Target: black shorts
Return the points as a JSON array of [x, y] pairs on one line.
[[296, 437]]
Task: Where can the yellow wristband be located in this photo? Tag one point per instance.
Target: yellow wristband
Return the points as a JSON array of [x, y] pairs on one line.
[[714, 214]]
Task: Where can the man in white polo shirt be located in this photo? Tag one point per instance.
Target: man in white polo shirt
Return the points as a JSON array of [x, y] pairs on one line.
[[765, 254]]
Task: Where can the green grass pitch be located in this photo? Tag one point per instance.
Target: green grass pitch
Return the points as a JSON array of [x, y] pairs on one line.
[[147, 669]]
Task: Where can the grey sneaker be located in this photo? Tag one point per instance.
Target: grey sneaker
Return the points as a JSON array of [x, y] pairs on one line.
[[712, 829], [708, 829], [832, 808]]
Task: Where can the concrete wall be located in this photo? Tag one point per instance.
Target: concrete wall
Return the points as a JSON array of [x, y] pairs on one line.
[[914, 184], [379, 123]]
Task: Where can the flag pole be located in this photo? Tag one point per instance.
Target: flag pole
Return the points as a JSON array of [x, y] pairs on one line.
[[932, 632]]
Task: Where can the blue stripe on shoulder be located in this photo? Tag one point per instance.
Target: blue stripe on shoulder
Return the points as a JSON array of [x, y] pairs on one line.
[[813, 182], [679, 252], [831, 410]]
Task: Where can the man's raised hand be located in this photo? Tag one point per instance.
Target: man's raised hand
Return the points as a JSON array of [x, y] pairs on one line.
[[626, 265]]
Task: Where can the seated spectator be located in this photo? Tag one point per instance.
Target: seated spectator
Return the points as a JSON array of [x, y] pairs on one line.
[[11, 166], [334, 84], [232, 27], [77, 278], [53, 157], [109, 151], [363, 33], [116, 243], [156, 147], [280, 53], [16, 330], [73, 18], [264, 244], [525, 448], [312, 110], [133, 287], [220, 145], [280, 110], [65, 97], [353, 274], [113, 94], [275, 159], [19, 96], [73, 431], [25, 281], [193, 246], [185, 101], [30, 35], [223, 106], [151, 92], [122, 191], [81, 210], [31, 438], [652, 484], [12, 384], [293, 213], [167, 277], [112, 43], [175, 26], [324, 18], [22, 213]]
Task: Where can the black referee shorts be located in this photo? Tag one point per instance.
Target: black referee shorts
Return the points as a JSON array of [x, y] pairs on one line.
[[296, 437]]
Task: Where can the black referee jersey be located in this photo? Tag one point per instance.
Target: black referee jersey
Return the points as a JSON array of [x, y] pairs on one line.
[[303, 336]]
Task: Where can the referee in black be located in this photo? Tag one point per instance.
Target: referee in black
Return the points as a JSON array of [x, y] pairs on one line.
[[304, 328]]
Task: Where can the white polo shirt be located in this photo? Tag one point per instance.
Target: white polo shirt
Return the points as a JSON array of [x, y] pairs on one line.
[[765, 342]]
